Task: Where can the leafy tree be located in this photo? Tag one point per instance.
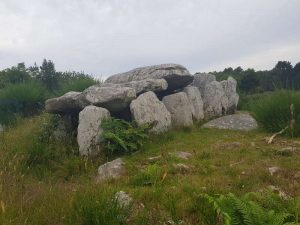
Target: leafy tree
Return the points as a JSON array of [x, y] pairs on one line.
[[34, 70], [238, 70], [228, 70], [249, 82], [48, 75], [297, 75], [14, 75], [284, 70]]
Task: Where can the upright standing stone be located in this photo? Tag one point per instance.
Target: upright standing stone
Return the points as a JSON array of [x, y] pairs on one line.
[[180, 108], [201, 80], [148, 109], [229, 87], [195, 98], [89, 129], [215, 100]]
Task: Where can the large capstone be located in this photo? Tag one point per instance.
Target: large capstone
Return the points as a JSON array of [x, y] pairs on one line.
[[114, 99], [201, 80], [142, 86], [215, 100], [176, 75], [67, 103], [195, 98], [181, 109], [89, 130], [229, 87], [148, 109]]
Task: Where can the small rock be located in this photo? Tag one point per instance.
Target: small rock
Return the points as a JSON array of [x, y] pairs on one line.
[[181, 167], [171, 222], [278, 191], [273, 170], [229, 145], [123, 199], [154, 158], [110, 170], [289, 151], [182, 155], [297, 175]]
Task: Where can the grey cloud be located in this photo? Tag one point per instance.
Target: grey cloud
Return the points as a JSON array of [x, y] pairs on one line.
[[109, 36]]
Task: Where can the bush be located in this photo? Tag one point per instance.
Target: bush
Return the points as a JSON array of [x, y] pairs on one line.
[[75, 83], [24, 98], [273, 111], [24, 93], [97, 207], [120, 136]]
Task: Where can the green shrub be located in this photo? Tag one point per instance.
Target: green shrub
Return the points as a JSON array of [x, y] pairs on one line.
[[97, 207], [23, 98], [120, 136], [24, 93], [75, 83], [247, 210], [273, 111]]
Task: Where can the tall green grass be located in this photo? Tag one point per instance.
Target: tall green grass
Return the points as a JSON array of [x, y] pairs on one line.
[[97, 207], [273, 111]]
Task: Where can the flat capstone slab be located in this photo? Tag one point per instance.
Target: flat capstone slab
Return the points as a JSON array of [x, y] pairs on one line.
[[241, 121]]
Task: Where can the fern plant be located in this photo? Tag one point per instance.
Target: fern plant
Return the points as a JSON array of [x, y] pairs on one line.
[[231, 210], [120, 136]]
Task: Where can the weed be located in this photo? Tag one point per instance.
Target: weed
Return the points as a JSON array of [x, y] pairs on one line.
[[120, 136]]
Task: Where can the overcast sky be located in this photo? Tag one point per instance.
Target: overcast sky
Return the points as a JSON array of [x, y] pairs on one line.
[[104, 37]]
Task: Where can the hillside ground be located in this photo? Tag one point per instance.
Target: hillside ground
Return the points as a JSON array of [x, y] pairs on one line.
[[46, 190]]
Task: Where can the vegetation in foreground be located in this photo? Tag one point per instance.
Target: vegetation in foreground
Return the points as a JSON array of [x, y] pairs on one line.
[[278, 111], [52, 184]]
